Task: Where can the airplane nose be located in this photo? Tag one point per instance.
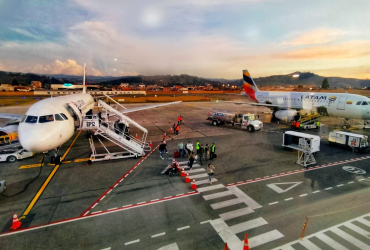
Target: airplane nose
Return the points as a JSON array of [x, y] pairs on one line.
[[35, 140]]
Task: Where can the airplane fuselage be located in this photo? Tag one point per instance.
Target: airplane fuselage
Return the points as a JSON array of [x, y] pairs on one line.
[[50, 123], [342, 105]]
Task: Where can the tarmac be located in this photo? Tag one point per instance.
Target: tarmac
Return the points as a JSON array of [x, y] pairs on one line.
[[258, 189]]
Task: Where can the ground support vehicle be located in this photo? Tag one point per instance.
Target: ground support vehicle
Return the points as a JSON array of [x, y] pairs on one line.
[[12, 154], [245, 121], [357, 142]]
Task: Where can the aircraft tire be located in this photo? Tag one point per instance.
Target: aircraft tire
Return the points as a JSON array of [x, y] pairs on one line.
[[52, 159], [58, 159]]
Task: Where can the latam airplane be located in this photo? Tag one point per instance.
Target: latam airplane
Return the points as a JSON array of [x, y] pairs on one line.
[[286, 105], [50, 123]]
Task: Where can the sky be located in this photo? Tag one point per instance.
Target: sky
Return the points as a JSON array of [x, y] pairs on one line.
[[205, 38]]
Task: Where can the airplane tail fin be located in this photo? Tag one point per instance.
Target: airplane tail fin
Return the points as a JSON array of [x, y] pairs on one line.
[[249, 85], [84, 80]]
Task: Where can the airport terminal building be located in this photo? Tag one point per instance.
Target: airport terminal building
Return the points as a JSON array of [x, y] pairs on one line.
[[70, 86]]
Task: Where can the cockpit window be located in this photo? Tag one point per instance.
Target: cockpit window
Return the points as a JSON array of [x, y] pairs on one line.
[[58, 117], [64, 116], [365, 103], [358, 103], [23, 118], [31, 119], [46, 118]]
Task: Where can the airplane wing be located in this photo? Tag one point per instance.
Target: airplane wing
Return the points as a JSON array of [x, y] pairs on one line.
[[11, 116], [256, 104], [148, 107]]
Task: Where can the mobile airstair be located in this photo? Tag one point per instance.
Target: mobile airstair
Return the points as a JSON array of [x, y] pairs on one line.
[[106, 129]]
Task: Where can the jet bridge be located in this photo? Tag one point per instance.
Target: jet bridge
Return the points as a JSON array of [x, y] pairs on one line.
[[107, 127]]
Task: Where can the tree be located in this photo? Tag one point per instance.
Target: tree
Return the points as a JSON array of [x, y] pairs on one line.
[[325, 84], [15, 82]]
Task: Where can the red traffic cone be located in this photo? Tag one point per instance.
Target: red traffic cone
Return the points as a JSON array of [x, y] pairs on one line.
[[246, 247], [193, 185], [16, 223], [226, 247], [164, 135], [187, 179], [137, 137], [150, 144], [182, 173], [171, 130]]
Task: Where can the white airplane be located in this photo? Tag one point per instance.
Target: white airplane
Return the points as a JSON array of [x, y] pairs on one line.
[[285, 105], [50, 123]]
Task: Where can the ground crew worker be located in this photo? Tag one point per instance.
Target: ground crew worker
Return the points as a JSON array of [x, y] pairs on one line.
[[178, 120], [177, 129], [297, 125], [174, 128], [317, 126], [201, 154], [197, 146], [293, 125], [181, 119], [213, 150]]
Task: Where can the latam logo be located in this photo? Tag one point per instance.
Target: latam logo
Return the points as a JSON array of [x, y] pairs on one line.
[[315, 97]]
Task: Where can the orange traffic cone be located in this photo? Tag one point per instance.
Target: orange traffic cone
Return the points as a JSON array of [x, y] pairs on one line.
[[278, 123], [16, 223], [182, 173], [187, 179], [193, 185], [150, 144], [137, 137], [226, 247], [171, 130], [144, 120], [246, 247], [164, 135]]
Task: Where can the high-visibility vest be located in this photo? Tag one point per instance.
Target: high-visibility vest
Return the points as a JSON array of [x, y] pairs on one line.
[[197, 145], [317, 123], [178, 118], [297, 124], [178, 128], [213, 148]]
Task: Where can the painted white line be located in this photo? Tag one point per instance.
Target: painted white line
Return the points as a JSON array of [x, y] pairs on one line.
[[350, 238], [182, 228], [328, 188], [264, 238], [116, 185], [290, 172], [303, 195], [217, 195], [308, 244], [180, 194], [198, 176], [132, 242], [102, 198], [266, 176], [227, 203], [112, 208], [340, 185], [155, 200], [244, 226], [167, 197], [248, 180], [96, 212], [288, 199], [226, 234], [205, 181], [121, 180], [86, 213], [273, 203], [361, 180], [351, 182], [109, 191], [236, 213], [317, 191], [274, 175], [108, 248], [239, 182], [127, 205], [157, 235], [206, 221], [330, 242], [141, 202], [94, 205], [244, 197]]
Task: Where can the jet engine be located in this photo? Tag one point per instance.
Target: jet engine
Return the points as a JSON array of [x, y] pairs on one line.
[[10, 130], [287, 115]]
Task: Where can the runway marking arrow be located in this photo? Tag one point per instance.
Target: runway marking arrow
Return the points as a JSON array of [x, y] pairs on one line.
[[279, 190]]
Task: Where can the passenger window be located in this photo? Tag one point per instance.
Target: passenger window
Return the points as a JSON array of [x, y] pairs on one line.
[[46, 118], [358, 103], [58, 118], [364, 103], [23, 119], [64, 116], [31, 119]]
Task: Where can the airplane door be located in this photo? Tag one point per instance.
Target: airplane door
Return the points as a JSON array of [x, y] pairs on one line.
[[76, 111], [342, 102]]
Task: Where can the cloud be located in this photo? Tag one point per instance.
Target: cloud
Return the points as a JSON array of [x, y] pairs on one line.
[[330, 52], [26, 33], [317, 36], [69, 67]]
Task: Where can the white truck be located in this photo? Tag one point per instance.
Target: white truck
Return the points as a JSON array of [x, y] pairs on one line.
[[358, 142], [14, 154], [246, 121]]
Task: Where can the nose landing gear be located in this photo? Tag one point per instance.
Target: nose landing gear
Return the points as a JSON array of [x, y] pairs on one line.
[[56, 158]]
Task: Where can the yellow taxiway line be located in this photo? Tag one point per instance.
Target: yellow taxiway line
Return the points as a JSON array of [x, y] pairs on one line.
[[41, 190]]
